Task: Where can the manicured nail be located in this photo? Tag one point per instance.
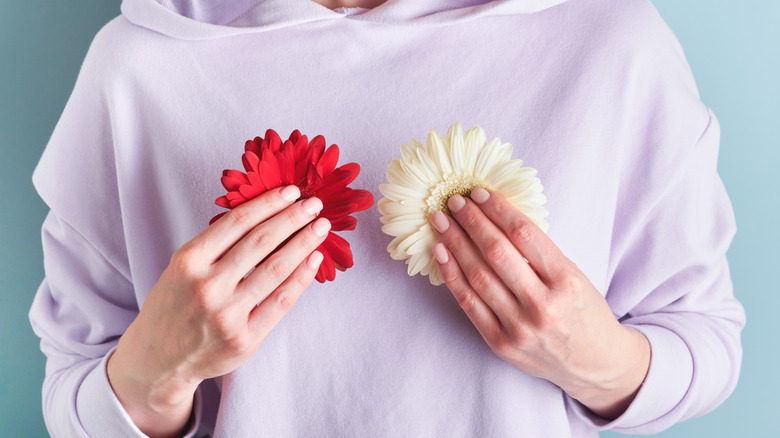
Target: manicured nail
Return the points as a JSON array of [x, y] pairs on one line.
[[312, 205], [440, 253], [440, 221], [314, 260], [456, 202], [290, 193], [321, 226], [479, 195]]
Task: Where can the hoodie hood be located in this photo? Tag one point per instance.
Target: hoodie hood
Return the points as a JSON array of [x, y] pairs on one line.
[[209, 19]]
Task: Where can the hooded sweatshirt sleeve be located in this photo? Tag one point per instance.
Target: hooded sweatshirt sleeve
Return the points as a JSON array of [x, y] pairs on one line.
[[87, 299], [669, 274]]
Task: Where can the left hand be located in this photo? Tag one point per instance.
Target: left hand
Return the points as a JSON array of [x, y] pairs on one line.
[[534, 307]]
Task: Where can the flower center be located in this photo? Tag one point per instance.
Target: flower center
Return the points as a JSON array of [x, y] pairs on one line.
[[451, 185]]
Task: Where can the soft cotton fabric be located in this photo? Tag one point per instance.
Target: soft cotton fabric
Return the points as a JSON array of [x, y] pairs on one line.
[[596, 94]]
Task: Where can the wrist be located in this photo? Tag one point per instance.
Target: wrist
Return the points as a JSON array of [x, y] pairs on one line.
[[609, 393], [159, 401]]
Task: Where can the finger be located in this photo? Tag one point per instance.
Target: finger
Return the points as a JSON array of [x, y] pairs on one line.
[[542, 253], [263, 239], [215, 240], [480, 314], [266, 315], [505, 259], [278, 267], [476, 271]]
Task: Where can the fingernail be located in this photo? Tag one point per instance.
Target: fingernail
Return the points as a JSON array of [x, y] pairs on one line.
[[321, 226], [314, 260], [456, 202], [440, 253], [479, 195], [290, 193], [312, 205], [440, 222]]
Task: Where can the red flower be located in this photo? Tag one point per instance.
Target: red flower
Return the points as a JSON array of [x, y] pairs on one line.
[[271, 163]]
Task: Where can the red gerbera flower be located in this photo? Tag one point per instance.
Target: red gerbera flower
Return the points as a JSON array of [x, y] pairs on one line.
[[271, 163]]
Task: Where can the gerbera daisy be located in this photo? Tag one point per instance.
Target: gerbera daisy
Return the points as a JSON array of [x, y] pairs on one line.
[[270, 163], [421, 182]]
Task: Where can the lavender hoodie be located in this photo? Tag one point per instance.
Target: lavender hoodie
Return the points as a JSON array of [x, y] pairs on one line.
[[596, 94]]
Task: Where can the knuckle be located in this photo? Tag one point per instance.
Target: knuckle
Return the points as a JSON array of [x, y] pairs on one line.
[[568, 282], [183, 260], [522, 232], [468, 302], [276, 268], [498, 251], [285, 301], [203, 291], [261, 239], [501, 346], [236, 344], [470, 220], [240, 217], [450, 276], [479, 278]]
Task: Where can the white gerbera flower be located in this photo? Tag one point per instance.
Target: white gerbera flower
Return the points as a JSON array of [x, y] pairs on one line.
[[425, 177]]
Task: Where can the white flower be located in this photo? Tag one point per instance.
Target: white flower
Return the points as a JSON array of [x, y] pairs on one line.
[[425, 177]]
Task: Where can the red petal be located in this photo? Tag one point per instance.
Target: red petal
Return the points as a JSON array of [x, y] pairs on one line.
[[231, 184], [294, 136], [333, 211], [216, 218], [363, 199], [313, 179], [235, 199], [270, 175], [301, 147], [254, 179], [338, 248], [250, 160], [343, 223], [250, 192], [269, 170], [343, 175], [316, 148], [327, 163], [253, 146], [300, 172], [327, 270], [223, 201], [286, 166], [273, 139]]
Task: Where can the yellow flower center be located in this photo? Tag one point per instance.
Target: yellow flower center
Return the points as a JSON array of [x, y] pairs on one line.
[[451, 185]]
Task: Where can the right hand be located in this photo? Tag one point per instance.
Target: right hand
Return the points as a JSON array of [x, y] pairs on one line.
[[205, 316]]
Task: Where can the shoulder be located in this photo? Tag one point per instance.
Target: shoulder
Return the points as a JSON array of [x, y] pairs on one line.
[[120, 50]]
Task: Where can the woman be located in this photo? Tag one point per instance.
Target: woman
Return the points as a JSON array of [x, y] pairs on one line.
[[622, 318]]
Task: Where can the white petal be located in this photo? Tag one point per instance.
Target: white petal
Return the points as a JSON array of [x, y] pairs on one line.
[[487, 159], [426, 242], [411, 168], [475, 141], [400, 193], [417, 262], [407, 150], [393, 208], [438, 152], [457, 152], [398, 176], [435, 276], [402, 228]]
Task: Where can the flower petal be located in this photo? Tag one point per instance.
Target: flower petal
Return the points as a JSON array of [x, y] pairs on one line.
[[400, 193], [327, 163], [457, 148], [274, 141]]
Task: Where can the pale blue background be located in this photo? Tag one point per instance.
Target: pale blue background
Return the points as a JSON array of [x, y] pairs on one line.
[[733, 48]]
